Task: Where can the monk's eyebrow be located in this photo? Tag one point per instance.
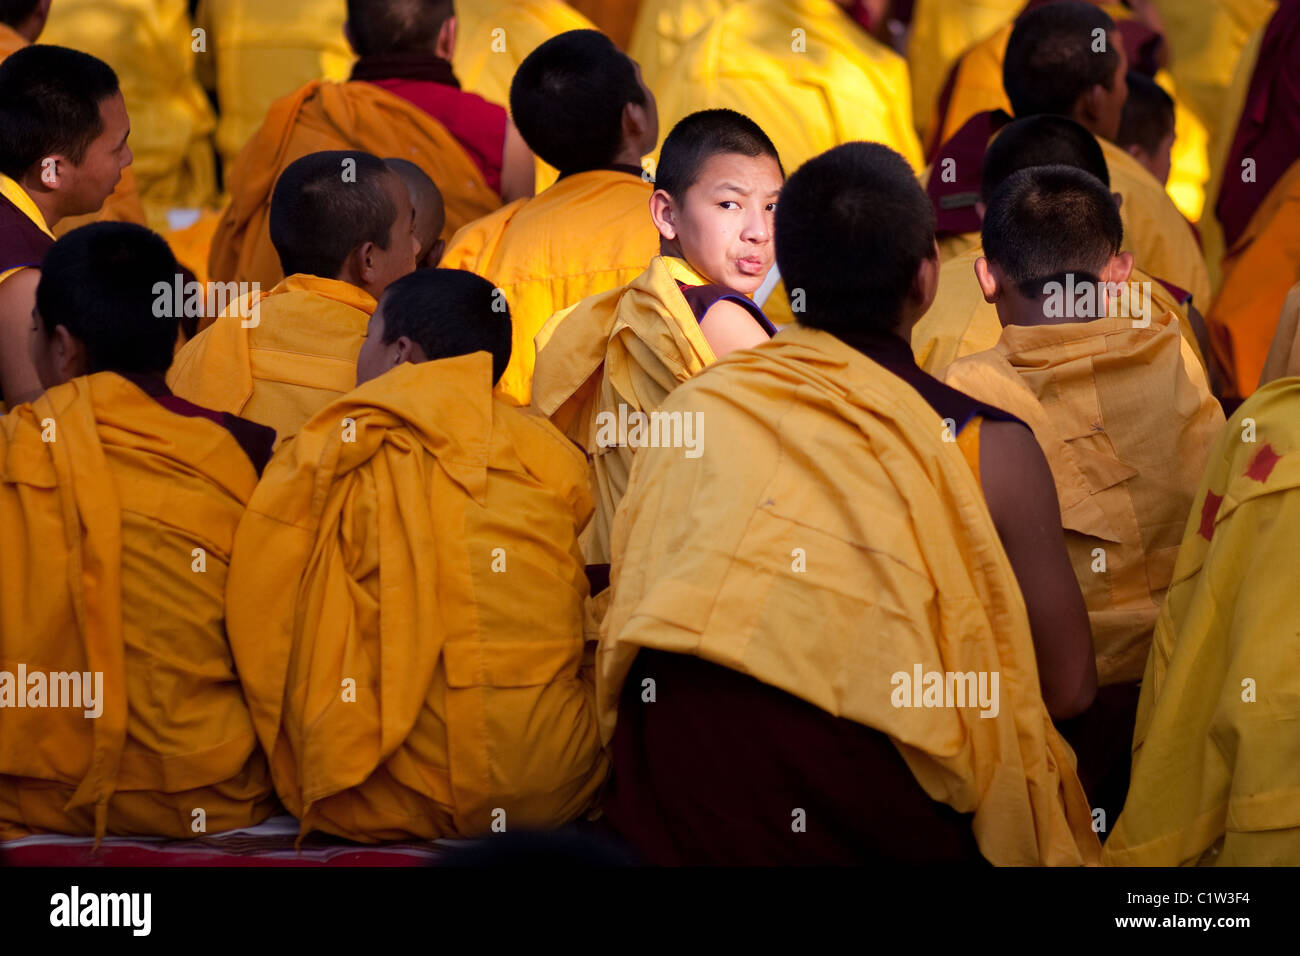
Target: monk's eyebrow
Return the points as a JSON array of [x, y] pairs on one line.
[[124, 136], [724, 187]]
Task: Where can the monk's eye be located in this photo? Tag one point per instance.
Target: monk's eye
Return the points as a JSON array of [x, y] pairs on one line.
[[729, 204], [771, 207]]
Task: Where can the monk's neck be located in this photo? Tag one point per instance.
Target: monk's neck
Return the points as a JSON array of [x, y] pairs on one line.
[[1021, 311], [44, 200]]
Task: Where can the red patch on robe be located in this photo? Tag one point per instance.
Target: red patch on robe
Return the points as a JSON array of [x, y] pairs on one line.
[[1209, 511], [1262, 465]]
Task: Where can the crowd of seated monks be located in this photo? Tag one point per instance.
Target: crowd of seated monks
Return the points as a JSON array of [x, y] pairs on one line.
[[774, 501]]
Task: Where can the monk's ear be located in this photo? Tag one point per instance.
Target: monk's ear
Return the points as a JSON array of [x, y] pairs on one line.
[[663, 213], [925, 284], [980, 209], [1119, 201], [989, 282], [406, 349], [1118, 269], [68, 354], [446, 45], [435, 254], [363, 260], [53, 171], [636, 124]]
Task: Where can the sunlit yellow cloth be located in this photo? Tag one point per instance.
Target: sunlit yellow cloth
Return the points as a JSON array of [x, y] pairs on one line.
[[430, 558], [941, 31], [810, 445], [150, 46], [494, 36], [298, 353], [961, 323], [192, 245], [258, 52], [803, 71], [628, 347], [1284, 355], [1257, 273], [662, 27], [588, 233], [106, 498], [1216, 770], [320, 116], [1126, 419]]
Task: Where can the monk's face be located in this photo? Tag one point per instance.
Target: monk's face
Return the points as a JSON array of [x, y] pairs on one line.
[[390, 264], [91, 181], [723, 225]]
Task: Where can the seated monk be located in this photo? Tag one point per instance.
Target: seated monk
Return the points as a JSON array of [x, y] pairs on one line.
[[63, 150], [430, 213], [780, 597], [279, 357], [1216, 761], [402, 100], [961, 322], [406, 594], [616, 356], [582, 107], [1117, 402], [1051, 68], [119, 503]]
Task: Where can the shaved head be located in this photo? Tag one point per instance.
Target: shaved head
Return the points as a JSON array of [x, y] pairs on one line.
[[396, 26], [426, 198]]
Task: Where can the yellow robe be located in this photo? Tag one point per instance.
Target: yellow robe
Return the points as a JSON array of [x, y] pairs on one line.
[[1257, 273], [810, 445], [1284, 354], [1216, 771], [977, 86], [588, 233], [627, 348], [941, 31], [961, 323], [494, 36], [259, 52], [150, 46], [406, 613], [1125, 418], [297, 354], [662, 27], [11, 41], [324, 116], [803, 71], [109, 501]]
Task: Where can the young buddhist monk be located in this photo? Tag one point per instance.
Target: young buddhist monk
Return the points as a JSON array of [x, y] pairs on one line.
[[430, 214], [615, 357], [779, 600], [402, 100], [119, 504], [582, 107], [1068, 59], [1214, 758], [62, 152], [344, 229], [1146, 129], [406, 591], [1120, 408], [960, 321]]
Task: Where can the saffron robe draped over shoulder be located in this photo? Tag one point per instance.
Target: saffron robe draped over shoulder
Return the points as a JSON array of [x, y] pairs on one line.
[[1125, 418], [406, 613], [321, 116], [1258, 271], [149, 44], [625, 349], [800, 69], [119, 515], [1216, 770], [812, 449], [588, 233], [661, 29], [960, 322], [277, 357]]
